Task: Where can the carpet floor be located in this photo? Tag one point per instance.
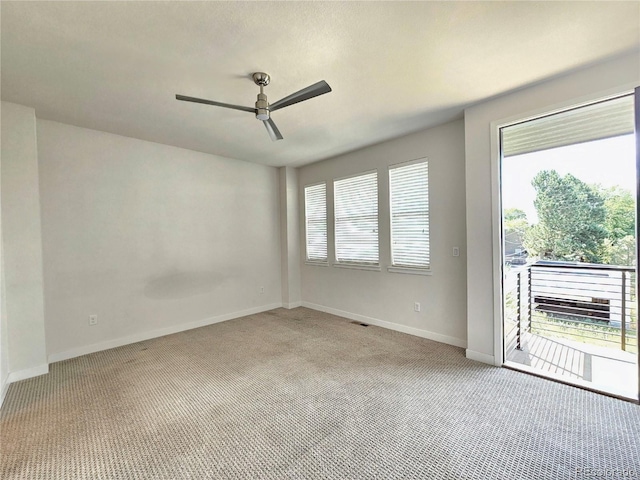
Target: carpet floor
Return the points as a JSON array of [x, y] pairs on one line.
[[298, 394]]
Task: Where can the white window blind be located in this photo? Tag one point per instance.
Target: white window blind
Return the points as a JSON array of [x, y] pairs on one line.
[[356, 219], [409, 202], [597, 121], [315, 208]]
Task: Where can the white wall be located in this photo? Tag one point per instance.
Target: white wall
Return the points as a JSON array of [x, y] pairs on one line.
[[4, 342], [151, 238], [591, 83], [388, 298], [22, 306], [289, 237]]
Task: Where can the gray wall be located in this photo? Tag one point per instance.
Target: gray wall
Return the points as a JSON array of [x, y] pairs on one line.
[[151, 238], [289, 237], [23, 350], [388, 298]]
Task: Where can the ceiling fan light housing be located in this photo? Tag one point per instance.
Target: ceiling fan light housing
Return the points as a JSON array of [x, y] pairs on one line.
[[262, 107]]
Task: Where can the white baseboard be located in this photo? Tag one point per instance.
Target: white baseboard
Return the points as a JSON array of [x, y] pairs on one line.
[[418, 332], [292, 305], [18, 375], [480, 357], [139, 337], [3, 390], [27, 373]]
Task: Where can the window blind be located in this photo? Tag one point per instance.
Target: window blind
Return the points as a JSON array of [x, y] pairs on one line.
[[315, 208], [356, 219], [409, 202], [597, 121]]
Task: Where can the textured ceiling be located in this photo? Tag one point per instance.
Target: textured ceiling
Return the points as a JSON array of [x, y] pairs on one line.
[[394, 67]]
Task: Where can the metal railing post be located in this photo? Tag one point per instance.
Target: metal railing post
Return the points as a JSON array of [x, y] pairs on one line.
[[623, 316], [529, 299], [519, 312]]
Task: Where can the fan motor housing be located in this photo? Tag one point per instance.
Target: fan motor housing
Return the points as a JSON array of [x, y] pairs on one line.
[[262, 107]]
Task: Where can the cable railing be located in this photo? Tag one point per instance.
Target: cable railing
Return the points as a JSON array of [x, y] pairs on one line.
[[588, 303]]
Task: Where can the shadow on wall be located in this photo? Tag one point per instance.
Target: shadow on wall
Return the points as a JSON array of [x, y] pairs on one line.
[[184, 284]]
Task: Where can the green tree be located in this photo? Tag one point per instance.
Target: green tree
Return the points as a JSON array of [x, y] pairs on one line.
[[620, 224], [513, 214], [571, 218], [515, 226], [620, 213], [621, 251]]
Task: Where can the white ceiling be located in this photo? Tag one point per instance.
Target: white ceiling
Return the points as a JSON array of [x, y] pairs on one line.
[[394, 67]]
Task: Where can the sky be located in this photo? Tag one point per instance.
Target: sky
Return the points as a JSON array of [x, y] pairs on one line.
[[610, 162]]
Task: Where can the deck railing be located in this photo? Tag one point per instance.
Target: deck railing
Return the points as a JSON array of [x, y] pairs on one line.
[[588, 303]]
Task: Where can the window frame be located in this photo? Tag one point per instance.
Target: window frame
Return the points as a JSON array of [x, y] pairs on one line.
[[318, 262], [414, 270], [351, 264]]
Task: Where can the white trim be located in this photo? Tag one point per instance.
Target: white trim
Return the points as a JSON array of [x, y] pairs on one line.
[[320, 182], [418, 332], [27, 373], [497, 247], [139, 337], [409, 162], [481, 357], [559, 107], [324, 263], [360, 174], [292, 305], [3, 391], [412, 271], [358, 266]]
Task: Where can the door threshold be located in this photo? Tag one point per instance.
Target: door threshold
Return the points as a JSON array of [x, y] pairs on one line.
[[584, 385]]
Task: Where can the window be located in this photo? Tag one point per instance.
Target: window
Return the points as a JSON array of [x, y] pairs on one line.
[[315, 208], [409, 203], [356, 219]]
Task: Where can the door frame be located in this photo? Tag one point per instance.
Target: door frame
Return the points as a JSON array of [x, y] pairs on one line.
[[496, 198], [637, 134]]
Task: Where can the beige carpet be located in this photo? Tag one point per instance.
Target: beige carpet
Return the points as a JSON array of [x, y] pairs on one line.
[[296, 394]]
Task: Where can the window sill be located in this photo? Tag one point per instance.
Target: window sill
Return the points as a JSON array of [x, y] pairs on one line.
[[410, 271], [316, 264], [358, 266]]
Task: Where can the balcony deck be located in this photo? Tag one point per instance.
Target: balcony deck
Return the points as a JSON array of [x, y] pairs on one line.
[[606, 369]]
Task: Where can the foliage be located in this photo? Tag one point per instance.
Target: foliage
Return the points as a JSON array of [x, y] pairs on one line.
[[621, 251], [620, 226], [595, 333], [515, 227], [620, 214], [571, 217], [514, 214]]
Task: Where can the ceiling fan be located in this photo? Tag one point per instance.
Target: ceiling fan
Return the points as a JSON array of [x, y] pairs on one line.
[[263, 109]]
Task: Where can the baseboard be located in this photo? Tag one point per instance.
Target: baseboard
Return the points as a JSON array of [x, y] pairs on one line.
[[27, 373], [292, 305], [480, 357], [3, 390], [418, 332], [139, 337]]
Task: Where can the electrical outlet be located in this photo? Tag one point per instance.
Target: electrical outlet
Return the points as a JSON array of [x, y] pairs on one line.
[[261, 290], [416, 307], [93, 319], [456, 251]]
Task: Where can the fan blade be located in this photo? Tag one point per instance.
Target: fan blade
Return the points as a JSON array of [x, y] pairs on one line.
[[314, 90], [217, 104], [274, 133]]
